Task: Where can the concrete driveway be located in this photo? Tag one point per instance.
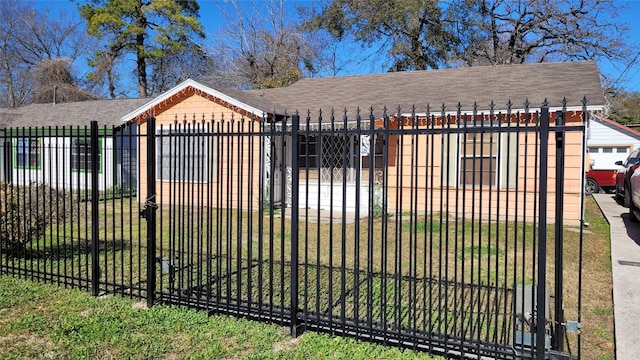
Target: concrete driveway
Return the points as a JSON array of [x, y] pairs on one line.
[[625, 261]]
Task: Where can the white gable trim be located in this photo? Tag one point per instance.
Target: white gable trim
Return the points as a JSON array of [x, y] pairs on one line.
[[196, 85]]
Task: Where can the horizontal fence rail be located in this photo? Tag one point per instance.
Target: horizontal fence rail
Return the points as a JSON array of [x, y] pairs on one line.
[[434, 230], [70, 215]]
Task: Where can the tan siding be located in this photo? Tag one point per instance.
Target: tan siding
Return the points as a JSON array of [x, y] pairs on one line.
[[236, 174], [238, 170], [486, 201]]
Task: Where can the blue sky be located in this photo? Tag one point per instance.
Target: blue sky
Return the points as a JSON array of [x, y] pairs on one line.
[[625, 75]]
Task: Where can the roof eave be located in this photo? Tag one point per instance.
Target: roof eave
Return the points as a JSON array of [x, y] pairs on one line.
[[196, 85], [589, 108]]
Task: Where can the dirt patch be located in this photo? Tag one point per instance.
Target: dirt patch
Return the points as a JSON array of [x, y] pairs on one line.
[[11, 342], [289, 344], [139, 305]]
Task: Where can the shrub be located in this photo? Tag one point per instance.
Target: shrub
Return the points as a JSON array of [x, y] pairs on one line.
[[27, 211]]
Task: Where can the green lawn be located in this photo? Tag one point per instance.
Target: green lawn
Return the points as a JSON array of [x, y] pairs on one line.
[[39, 321], [443, 248]]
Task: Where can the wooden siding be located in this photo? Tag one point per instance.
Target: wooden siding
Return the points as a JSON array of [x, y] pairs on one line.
[[236, 164], [420, 164], [435, 184]]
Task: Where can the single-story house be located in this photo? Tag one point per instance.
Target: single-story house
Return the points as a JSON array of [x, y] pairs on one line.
[[49, 143], [609, 141], [459, 89]]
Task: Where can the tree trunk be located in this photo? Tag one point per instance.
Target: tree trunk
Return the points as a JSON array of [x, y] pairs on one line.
[[142, 72], [141, 22], [112, 86], [9, 77]]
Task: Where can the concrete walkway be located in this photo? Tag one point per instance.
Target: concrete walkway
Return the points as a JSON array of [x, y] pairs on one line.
[[625, 260]]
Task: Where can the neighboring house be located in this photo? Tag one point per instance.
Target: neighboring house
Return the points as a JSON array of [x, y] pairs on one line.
[[49, 143], [609, 141], [399, 90]]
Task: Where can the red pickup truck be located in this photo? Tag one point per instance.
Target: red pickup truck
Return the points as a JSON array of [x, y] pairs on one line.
[[600, 179]]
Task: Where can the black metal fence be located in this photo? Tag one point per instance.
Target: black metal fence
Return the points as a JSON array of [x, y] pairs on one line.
[[429, 230]]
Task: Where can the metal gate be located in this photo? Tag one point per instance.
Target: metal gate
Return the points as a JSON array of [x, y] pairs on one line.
[[451, 253]]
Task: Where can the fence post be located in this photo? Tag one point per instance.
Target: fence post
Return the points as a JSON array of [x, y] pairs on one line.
[[95, 198], [296, 327], [540, 313], [558, 333], [150, 210]]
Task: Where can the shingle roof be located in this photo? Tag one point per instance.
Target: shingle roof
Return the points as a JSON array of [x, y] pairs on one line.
[[500, 84], [246, 97], [535, 82], [105, 112]]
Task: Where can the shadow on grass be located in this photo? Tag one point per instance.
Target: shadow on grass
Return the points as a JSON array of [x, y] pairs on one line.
[[62, 251]]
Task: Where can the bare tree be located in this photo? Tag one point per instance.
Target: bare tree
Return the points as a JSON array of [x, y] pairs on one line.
[[193, 61], [12, 96], [55, 83], [29, 36], [258, 47], [514, 32], [421, 34], [104, 63]]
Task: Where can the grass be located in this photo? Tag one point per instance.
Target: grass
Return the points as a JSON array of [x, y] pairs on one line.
[[597, 288], [493, 254], [40, 321]]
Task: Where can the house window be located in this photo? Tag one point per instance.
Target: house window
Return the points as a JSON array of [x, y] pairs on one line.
[[81, 155], [622, 150], [488, 159], [28, 153], [607, 150], [184, 156], [333, 155], [309, 151], [479, 159]]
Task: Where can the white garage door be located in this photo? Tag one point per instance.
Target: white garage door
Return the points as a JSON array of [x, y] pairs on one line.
[[604, 157]]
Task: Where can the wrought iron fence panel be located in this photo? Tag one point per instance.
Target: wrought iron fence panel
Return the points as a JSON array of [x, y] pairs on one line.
[[433, 230]]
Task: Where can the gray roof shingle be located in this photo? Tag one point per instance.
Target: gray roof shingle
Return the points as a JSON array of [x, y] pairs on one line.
[[535, 82], [248, 97], [105, 112]]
